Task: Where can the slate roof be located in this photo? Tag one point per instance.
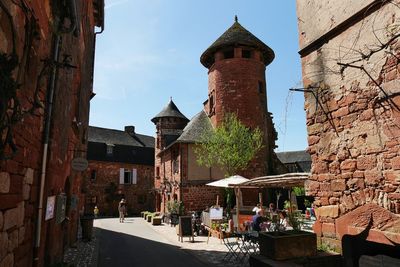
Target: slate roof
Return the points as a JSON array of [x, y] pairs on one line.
[[169, 111], [294, 156], [117, 137], [237, 35], [194, 130]]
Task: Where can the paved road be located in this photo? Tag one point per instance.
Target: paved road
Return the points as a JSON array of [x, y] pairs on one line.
[[135, 243]]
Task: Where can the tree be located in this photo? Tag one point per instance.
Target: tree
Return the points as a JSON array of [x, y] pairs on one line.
[[231, 146]]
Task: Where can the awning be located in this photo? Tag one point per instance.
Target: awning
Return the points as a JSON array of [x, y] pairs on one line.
[[286, 180]]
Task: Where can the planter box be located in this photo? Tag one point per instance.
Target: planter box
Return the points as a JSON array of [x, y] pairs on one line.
[[149, 217], [288, 244]]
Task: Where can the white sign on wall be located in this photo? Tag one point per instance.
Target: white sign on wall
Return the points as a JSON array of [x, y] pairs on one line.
[[51, 203]]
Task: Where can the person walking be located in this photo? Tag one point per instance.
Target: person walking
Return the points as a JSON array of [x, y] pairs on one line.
[[122, 210], [96, 212]]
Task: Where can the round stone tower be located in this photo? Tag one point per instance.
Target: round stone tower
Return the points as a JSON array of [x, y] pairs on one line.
[[236, 84], [169, 125]]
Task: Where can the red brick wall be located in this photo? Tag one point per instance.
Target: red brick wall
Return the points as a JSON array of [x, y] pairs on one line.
[[108, 172], [196, 198], [19, 176]]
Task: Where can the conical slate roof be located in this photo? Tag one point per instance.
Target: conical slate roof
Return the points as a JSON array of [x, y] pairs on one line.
[[199, 125], [234, 36], [169, 111]]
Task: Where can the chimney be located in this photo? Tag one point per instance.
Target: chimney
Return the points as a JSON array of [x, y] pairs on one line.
[[130, 130]]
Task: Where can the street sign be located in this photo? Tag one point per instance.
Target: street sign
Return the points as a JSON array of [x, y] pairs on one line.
[[79, 164]]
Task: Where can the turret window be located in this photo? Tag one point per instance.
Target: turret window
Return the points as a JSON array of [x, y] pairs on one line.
[[229, 54], [246, 53]]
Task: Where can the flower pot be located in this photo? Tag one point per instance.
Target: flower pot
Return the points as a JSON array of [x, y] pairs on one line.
[[287, 244]]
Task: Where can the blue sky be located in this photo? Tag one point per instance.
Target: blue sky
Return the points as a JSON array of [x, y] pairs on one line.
[[150, 51]]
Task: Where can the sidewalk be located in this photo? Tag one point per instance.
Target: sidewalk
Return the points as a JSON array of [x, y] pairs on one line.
[[212, 254]]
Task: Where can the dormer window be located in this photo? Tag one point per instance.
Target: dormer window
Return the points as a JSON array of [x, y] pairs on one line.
[[110, 149]]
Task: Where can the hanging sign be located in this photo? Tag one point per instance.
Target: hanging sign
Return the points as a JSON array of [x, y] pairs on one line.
[[79, 164]]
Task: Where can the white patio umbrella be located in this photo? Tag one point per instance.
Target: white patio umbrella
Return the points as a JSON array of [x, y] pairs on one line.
[[229, 182]]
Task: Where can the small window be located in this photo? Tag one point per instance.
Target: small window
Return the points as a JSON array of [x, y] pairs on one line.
[[229, 54], [110, 149], [127, 177], [93, 175], [157, 172], [246, 53], [175, 166], [211, 105], [260, 87]]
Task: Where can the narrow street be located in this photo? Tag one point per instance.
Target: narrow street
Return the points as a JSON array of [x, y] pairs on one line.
[[135, 243]]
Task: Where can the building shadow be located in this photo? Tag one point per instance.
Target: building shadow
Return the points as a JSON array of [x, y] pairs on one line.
[[121, 249]]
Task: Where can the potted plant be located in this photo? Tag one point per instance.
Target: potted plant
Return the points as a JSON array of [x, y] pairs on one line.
[[282, 244], [175, 208]]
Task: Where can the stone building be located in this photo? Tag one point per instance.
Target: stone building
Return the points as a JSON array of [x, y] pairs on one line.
[[46, 77], [350, 54], [121, 165], [236, 64]]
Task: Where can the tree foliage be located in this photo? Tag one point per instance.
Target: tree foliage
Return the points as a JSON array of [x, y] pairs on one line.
[[231, 146]]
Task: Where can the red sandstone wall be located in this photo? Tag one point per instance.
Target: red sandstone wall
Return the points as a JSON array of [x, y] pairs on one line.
[[353, 130], [19, 176], [108, 172]]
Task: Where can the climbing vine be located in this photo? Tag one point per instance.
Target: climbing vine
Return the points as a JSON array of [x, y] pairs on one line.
[[12, 68]]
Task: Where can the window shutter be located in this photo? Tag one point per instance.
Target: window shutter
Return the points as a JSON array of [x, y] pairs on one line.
[[121, 175], [134, 176]]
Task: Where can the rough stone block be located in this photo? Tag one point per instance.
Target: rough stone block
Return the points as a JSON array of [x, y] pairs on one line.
[[348, 165], [331, 211], [366, 162], [13, 240], [313, 140], [3, 244], [348, 202], [8, 261], [1, 221], [373, 177], [338, 185], [14, 217], [26, 191], [320, 167], [395, 163], [28, 178], [4, 182]]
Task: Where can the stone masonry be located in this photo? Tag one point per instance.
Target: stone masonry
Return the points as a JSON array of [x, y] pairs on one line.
[[352, 74], [28, 30]]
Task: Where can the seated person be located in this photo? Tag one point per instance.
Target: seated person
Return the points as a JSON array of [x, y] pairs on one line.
[[257, 220], [283, 220], [257, 208]]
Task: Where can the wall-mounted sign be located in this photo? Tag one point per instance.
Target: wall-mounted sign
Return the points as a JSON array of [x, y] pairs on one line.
[[61, 208], [79, 164], [51, 202]]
